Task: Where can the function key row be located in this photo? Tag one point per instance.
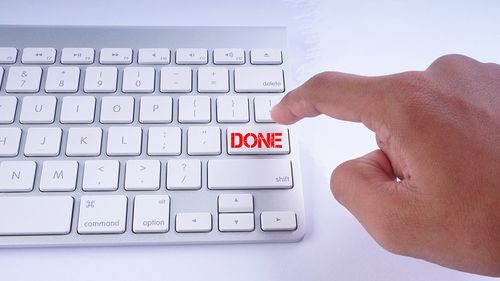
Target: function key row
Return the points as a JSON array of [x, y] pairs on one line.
[[8, 55]]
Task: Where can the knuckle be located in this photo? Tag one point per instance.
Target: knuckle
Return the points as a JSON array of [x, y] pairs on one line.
[[451, 62], [341, 178], [337, 178], [321, 78], [449, 59]]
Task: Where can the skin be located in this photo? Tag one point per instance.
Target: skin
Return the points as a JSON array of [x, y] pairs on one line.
[[438, 132]]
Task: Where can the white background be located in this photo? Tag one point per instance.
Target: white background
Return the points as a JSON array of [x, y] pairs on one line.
[[364, 37]]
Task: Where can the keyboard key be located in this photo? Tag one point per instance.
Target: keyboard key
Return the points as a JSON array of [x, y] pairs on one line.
[[102, 214], [17, 176], [116, 56], [164, 141], [257, 140], [23, 79], [263, 106], [38, 56], [10, 139], [38, 110], [1, 76], [154, 56], [213, 80], [176, 80], [100, 175], [142, 175], [35, 215], [258, 80], [266, 56], [138, 80], [85, 141], [151, 213], [156, 109], [183, 174], [124, 141], [229, 56], [100, 79], [235, 203], [8, 106], [275, 221], [59, 176], [117, 110], [204, 141], [232, 109], [77, 110], [43, 142], [191, 56], [249, 174], [193, 222], [194, 109], [8, 55], [77, 56], [236, 222], [62, 80]]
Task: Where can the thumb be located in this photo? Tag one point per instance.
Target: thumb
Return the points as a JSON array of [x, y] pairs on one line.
[[368, 188]]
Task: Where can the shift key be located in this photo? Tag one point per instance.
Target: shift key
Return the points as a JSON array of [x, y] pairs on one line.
[[250, 174]]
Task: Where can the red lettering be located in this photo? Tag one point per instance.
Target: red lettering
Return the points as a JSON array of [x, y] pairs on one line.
[[266, 141], [259, 140], [254, 140], [277, 138], [236, 140]]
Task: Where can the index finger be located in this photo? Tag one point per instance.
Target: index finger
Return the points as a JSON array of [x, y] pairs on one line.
[[339, 95]]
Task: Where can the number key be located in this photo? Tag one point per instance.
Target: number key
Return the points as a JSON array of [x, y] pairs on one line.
[[23, 79], [100, 79], [62, 80], [138, 79]]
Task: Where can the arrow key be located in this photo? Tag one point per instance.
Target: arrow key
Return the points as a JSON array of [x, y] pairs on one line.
[[276, 221], [235, 203], [236, 222], [193, 222]]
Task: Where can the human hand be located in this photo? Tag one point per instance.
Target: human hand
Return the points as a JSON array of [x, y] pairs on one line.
[[439, 133]]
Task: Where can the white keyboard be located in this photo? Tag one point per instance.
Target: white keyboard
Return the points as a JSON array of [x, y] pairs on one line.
[[145, 135]]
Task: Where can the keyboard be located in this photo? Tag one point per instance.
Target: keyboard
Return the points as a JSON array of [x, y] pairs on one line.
[[145, 136]]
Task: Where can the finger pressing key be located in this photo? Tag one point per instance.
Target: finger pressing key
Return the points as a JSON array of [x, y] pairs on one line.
[[339, 95]]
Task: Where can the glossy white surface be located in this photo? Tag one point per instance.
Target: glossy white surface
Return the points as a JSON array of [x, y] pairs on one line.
[[370, 38]]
